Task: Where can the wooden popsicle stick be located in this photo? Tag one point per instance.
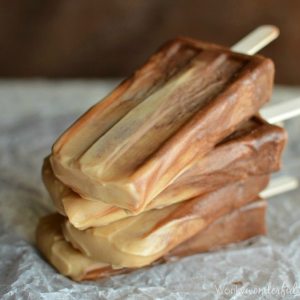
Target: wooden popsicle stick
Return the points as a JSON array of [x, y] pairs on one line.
[[256, 40], [282, 111], [251, 44], [275, 114], [280, 185]]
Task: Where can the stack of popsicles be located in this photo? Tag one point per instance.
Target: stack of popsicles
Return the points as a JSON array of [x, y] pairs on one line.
[[169, 164]]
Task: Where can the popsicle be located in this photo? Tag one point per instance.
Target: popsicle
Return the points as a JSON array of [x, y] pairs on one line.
[[254, 149], [139, 240], [239, 225], [130, 146]]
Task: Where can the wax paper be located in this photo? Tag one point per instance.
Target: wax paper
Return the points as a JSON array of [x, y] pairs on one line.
[[32, 114]]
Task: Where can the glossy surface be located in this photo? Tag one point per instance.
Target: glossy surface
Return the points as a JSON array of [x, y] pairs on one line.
[[134, 143], [254, 149], [239, 225], [139, 240]]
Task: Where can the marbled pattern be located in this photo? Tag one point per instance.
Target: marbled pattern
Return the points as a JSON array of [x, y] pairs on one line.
[[32, 114]]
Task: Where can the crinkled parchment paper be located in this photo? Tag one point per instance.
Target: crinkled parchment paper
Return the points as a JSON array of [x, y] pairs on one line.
[[32, 114]]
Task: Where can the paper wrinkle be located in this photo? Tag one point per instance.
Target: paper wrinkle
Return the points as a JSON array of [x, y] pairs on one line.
[[32, 115]]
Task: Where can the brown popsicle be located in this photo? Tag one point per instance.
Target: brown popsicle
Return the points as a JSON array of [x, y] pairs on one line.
[[239, 225], [129, 147], [254, 149], [139, 240]]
